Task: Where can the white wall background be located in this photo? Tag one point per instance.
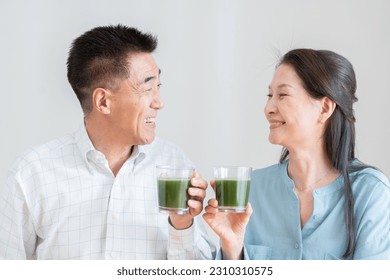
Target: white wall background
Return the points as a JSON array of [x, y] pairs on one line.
[[217, 59]]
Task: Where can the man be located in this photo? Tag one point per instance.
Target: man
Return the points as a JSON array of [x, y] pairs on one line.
[[92, 195]]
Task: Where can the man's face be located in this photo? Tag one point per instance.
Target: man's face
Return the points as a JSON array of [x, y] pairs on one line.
[[136, 101]]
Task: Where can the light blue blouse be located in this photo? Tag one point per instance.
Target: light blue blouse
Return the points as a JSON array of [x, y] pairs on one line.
[[274, 230]]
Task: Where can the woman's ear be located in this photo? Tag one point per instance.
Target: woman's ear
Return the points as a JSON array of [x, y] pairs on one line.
[[327, 108], [101, 99]]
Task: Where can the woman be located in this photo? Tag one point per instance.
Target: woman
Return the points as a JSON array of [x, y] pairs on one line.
[[319, 202]]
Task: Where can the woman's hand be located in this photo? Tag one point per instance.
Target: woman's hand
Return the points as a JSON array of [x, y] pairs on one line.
[[230, 227]]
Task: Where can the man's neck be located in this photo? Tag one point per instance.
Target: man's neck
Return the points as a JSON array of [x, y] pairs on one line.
[[104, 140]]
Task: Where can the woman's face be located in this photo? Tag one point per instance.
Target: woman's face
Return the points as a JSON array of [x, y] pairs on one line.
[[293, 115]]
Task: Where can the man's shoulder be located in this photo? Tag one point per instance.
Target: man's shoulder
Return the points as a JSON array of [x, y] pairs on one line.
[[52, 149]]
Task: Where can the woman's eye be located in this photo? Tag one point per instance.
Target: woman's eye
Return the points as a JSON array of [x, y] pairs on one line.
[[281, 95]]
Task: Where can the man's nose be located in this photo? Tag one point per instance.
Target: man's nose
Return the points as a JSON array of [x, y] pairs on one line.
[[157, 102]]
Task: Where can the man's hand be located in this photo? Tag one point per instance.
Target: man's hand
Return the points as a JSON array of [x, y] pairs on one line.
[[197, 193]]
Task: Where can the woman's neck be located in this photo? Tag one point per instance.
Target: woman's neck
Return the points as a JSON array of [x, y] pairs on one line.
[[310, 169]]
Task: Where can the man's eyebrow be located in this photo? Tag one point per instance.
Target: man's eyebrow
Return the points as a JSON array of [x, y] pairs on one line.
[[147, 79]]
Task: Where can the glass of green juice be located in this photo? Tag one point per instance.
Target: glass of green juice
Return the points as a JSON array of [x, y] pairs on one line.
[[172, 185], [232, 185]]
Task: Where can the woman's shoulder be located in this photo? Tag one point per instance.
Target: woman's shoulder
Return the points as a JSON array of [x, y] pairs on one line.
[[371, 190], [370, 184], [370, 175]]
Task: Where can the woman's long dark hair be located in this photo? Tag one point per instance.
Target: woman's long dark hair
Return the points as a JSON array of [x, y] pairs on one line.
[[325, 73]]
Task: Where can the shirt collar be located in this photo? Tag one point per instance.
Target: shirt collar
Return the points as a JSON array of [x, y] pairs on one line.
[[89, 152], [83, 142]]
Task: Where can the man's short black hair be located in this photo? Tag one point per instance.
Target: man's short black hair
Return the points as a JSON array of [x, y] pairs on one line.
[[99, 58]]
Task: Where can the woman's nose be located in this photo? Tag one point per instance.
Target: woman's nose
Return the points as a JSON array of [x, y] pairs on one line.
[[270, 107]]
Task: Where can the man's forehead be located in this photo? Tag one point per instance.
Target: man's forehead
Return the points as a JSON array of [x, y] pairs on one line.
[[143, 67]]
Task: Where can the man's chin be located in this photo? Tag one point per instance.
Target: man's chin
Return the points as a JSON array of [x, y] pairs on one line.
[[148, 140]]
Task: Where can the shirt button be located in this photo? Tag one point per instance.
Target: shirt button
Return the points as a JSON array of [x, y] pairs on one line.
[[317, 191], [296, 246], [314, 217]]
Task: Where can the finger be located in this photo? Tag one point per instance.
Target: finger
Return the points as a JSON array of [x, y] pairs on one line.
[[212, 184], [212, 206], [195, 206], [196, 175], [197, 193], [198, 182], [213, 202], [211, 210], [248, 212], [249, 209]]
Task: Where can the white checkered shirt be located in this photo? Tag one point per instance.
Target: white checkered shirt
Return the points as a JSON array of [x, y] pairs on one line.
[[61, 201]]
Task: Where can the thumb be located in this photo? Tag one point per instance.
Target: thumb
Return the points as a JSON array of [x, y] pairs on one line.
[[248, 212], [212, 184]]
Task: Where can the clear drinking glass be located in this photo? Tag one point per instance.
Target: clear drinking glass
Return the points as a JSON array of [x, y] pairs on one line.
[[232, 185], [172, 185]]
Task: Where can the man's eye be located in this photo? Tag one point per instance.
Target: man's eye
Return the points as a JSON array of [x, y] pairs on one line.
[[151, 89]]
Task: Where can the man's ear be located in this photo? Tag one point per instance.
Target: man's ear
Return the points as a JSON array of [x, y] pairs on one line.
[[327, 108], [101, 99]]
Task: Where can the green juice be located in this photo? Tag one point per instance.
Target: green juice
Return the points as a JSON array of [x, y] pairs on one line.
[[232, 194], [172, 194]]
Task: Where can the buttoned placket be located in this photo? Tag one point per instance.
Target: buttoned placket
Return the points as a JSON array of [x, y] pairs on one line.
[[114, 234], [297, 243], [314, 219]]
